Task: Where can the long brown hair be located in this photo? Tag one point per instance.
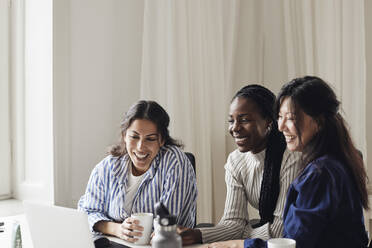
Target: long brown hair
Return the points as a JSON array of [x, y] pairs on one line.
[[148, 110], [317, 99]]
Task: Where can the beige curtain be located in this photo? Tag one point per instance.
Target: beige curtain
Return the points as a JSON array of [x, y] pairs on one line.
[[326, 38], [196, 54], [280, 40], [187, 62]]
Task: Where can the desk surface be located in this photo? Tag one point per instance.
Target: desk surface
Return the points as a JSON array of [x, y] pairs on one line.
[[5, 237], [120, 241]]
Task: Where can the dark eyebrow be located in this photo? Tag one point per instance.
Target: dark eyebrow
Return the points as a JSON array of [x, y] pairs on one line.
[[151, 134], [243, 115]]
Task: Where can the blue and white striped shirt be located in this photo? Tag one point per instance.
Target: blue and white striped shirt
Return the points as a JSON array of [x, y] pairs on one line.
[[170, 179]]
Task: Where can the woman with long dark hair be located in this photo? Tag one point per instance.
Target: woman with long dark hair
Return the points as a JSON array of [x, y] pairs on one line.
[[325, 203], [146, 167], [258, 172]]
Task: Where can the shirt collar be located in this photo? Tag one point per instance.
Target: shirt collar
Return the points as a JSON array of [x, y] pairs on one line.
[[259, 157], [155, 163]]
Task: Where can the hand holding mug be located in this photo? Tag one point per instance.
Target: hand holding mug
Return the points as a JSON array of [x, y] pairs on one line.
[[144, 222], [130, 230]]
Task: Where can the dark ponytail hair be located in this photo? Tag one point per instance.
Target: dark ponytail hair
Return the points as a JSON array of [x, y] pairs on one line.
[[275, 147], [317, 99], [148, 110]]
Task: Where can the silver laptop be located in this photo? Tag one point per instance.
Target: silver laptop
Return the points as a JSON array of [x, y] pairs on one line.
[[57, 227]]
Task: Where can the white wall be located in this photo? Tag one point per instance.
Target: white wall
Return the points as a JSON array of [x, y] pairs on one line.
[[4, 101], [368, 34], [32, 122], [97, 47]]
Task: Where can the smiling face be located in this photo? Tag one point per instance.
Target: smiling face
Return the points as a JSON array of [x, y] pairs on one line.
[[247, 126], [287, 119], [142, 142]]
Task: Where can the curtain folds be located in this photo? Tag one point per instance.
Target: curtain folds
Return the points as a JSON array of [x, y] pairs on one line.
[[186, 66], [197, 52], [326, 38]]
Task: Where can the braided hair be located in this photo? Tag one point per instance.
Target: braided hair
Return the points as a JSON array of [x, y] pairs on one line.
[[275, 148]]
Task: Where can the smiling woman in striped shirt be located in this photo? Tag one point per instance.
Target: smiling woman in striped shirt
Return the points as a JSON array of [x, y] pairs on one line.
[[146, 167]]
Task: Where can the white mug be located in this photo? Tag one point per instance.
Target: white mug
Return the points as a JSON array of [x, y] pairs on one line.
[[145, 220], [281, 243]]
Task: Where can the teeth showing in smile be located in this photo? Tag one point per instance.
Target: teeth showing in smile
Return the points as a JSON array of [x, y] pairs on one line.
[[289, 138], [239, 139], [141, 156]]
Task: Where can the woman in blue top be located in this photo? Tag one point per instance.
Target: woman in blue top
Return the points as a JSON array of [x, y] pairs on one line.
[[146, 167], [325, 203]]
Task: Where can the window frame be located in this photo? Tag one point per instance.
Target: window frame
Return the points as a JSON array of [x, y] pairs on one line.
[[5, 142]]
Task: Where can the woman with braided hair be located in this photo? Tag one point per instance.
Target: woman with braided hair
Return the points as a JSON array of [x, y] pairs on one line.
[[324, 206], [258, 172]]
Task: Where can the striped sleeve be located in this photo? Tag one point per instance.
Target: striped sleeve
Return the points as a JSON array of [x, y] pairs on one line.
[[180, 192], [289, 171], [234, 221], [94, 199]]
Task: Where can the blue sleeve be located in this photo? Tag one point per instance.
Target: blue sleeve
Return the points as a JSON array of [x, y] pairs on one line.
[[309, 209], [255, 243], [180, 192], [93, 201]]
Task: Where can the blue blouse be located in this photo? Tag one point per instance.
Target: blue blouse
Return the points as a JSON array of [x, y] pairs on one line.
[[323, 209], [170, 179]]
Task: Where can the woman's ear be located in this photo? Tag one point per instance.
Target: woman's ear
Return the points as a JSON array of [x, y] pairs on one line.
[[162, 142], [123, 144]]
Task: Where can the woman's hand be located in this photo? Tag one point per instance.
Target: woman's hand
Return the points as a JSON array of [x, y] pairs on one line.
[[129, 230], [189, 236], [226, 244]]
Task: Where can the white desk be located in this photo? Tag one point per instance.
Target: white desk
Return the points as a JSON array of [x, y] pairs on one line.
[[120, 241], [5, 237]]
